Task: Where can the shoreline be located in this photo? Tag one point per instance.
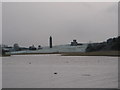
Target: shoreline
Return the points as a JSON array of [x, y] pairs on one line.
[[97, 53]]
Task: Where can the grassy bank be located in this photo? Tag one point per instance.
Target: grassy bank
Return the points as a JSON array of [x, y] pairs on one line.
[[100, 53], [35, 53], [4, 55]]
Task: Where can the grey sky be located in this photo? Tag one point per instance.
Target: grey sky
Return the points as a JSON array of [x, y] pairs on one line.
[[33, 23]]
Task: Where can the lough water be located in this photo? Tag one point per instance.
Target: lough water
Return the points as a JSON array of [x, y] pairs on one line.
[[55, 71]]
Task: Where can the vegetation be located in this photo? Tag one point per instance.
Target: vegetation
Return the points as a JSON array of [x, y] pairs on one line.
[[4, 53], [98, 53], [112, 44], [109, 48], [35, 53]]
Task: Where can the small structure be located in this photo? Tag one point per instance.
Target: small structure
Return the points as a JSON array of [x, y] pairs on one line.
[[39, 47], [74, 43], [16, 47], [50, 41], [32, 47]]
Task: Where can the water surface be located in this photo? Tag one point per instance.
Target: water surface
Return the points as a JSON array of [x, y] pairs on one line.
[[55, 71]]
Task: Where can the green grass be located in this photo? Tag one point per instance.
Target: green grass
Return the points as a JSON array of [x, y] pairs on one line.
[[100, 53], [5, 55], [34, 53]]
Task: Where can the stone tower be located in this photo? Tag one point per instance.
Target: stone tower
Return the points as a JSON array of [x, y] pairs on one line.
[[50, 41]]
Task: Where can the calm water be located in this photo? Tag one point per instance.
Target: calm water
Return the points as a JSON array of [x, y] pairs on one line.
[[55, 71]]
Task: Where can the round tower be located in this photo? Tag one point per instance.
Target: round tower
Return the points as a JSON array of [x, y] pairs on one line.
[[50, 41]]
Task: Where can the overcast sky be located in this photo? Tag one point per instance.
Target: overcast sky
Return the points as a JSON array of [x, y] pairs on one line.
[[32, 23]]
